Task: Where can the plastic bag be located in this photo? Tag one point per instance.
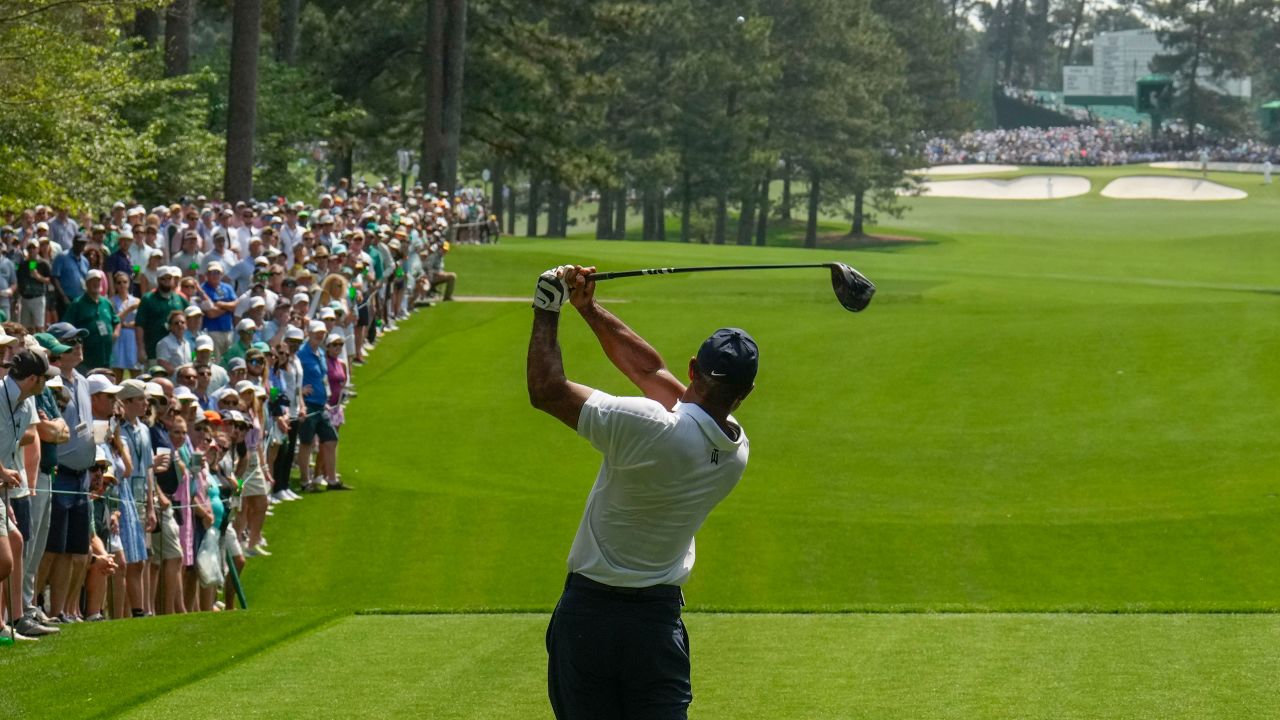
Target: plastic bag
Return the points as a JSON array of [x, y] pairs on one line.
[[209, 559]]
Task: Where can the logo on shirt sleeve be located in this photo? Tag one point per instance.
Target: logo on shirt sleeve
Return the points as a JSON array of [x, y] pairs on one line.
[[715, 456]]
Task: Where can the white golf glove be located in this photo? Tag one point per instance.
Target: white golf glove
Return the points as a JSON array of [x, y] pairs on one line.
[[552, 290]]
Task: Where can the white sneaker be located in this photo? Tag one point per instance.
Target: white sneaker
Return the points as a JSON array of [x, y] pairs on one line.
[[274, 499], [260, 550], [291, 495], [270, 512]]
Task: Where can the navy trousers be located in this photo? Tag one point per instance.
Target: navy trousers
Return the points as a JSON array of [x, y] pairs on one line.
[[618, 653]]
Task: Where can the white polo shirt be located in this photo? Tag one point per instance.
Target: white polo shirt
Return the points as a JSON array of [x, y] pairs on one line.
[[663, 472]]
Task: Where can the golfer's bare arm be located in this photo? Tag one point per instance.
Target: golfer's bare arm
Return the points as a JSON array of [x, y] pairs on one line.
[[549, 390], [634, 357]]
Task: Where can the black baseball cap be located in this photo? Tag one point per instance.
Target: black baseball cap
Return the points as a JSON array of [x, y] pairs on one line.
[[29, 363], [731, 356]]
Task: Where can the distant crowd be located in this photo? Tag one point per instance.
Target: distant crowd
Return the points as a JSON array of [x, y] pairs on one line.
[[1107, 143], [167, 371]]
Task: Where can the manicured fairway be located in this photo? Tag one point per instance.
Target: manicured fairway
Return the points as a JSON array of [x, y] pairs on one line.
[[779, 666], [1051, 407]]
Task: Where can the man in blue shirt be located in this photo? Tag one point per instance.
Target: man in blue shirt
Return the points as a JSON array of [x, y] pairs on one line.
[[315, 419], [69, 271], [219, 314]]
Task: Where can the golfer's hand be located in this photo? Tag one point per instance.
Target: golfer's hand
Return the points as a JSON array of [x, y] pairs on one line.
[[10, 478], [581, 292], [552, 289]]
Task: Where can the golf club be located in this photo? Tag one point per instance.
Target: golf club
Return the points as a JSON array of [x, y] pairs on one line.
[[853, 289]]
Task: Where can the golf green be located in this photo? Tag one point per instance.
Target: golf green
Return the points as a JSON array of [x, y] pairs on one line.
[[1055, 407]]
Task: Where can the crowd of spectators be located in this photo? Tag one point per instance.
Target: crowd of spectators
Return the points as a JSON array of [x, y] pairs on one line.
[[1106, 143], [166, 372]]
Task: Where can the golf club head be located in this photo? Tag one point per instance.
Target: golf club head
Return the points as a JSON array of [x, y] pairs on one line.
[[853, 289]]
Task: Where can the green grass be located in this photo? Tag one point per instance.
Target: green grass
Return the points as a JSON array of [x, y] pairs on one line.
[[1053, 407], [780, 666]]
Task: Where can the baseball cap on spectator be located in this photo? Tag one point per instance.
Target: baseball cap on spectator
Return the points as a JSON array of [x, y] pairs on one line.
[[731, 356], [182, 393], [214, 266], [316, 327], [48, 342], [130, 389], [6, 338], [339, 249], [118, 205], [101, 460], [261, 261], [204, 342], [154, 391], [257, 302], [235, 416], [30, 363], [157, 371], [247, 325], [95, 274], [209, 417], [65, 332], [102, 384], [235, 364], [192, 311], [169, 271], [327, 313], [54, 381], [294, 333], [335, 339], [301, 297]]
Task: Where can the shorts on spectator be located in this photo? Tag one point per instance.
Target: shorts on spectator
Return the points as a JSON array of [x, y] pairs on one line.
[[316, 424], [31, 314], [68, 525], [231, 542], [5, 522], [255, 484], [167, 532]]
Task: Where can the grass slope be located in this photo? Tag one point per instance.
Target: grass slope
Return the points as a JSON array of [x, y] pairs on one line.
[[769, 666]]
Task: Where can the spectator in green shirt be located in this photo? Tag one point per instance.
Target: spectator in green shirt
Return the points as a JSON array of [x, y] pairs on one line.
[[244, 332], [153, 312], [96, 315]]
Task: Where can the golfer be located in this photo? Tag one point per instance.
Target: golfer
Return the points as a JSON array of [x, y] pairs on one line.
[[616, 645]]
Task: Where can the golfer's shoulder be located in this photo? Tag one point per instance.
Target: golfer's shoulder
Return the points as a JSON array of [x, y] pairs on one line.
[[629, 409]]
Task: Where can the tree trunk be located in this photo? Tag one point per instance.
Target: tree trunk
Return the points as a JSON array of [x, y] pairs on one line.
[[454, 54], [604, 216], [784, 211], [342, 160], [722, 216], [177, 38], [858, 215], [531, 229], [646, 216], [620, 216], [433, 110], [146, 25], [566, 200], [762, 215], [1077, 18], [511, 212], [287, 33], [747, 217], [498, 204], [660, 215], [686, 206], [811, 227], [553, 211], [243, 99]]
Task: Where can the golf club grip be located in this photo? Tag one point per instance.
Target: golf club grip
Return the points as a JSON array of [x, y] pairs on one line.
[[596, 277]]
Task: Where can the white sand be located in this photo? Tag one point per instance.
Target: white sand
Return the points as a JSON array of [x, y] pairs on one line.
[[1029, 187], [972, 169], [1151, 187], [1214, 166]]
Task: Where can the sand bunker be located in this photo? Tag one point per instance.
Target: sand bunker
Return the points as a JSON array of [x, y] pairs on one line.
[[1150, 187], [1214, 166], [971, 169], [1029, 187]]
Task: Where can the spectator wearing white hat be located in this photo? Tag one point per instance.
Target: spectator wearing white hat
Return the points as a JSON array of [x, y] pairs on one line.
[[148, 272], [195, 324], [137, 501], [174, 349], [256, 477], [189, 258], [218, 377], [245, 330], [220, 307], [221, 253], [96, 315], [315, 422], [285, 378], [152, 322]]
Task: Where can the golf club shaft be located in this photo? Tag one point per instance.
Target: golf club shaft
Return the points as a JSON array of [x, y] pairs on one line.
[[596, 277]]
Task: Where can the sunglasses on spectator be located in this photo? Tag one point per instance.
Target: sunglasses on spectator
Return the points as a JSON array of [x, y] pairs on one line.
[[256, 361]]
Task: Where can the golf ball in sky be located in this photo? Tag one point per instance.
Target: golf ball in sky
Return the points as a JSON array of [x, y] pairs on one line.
[[741, 19]]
